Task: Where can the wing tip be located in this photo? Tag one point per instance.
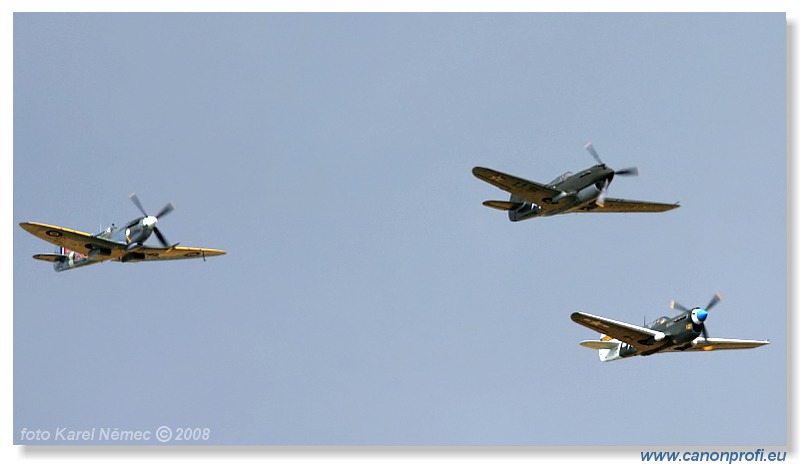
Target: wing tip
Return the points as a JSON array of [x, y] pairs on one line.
[[202, 251], [31, 226], [211, 252], [478, 171]]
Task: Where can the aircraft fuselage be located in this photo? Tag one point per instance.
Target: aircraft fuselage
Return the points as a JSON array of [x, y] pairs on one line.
[[578, 193], [133, 233], [679, 332], [594, 176]]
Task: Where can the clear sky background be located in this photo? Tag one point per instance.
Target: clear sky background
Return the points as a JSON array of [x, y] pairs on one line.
[[367, 298]]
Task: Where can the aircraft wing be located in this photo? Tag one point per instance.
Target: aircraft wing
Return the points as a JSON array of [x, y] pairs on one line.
[[618, 205], [174, 253], [641, 338], [78, 241], [530, 191], [715, 344]]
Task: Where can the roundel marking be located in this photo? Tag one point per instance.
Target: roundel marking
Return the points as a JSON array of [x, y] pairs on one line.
[[53, 233]]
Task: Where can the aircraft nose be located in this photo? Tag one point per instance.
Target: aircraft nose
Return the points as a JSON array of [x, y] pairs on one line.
[[150, 222], [699, 315], [702, 314]]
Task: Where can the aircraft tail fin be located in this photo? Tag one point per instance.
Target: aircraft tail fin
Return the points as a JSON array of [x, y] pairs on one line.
[[517, 208], [62, 254], [522, 209], [64, 259], [607, 348]]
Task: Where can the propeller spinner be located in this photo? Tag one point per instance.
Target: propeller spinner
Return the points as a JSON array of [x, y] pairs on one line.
[[151, 221], [628, 171]]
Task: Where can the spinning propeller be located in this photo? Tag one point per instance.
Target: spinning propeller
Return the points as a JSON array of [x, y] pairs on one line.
[[628, 171], [699, 315], [151, 221]]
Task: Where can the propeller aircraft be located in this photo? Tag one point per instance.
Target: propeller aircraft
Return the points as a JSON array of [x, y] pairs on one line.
[[619, 340], [121, 244], [586, 191]]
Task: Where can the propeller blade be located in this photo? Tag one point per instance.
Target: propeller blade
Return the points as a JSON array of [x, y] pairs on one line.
[[167, 209], [161, 237], [601, 199], [138, 204], [714, 301], [590, 148], [674, 305], [707, 347], [628, 171]]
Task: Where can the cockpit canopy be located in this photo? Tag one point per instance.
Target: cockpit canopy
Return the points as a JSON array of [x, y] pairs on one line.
[[659, 321], [561, 178], [107, 232]]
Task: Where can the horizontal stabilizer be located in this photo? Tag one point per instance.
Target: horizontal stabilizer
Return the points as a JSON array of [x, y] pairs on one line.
[[597, 344], [502, 205], [50, 257]]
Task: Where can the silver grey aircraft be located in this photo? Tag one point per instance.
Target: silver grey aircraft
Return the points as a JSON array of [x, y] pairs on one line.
[[619, 340], [121, 244], [585, 191]]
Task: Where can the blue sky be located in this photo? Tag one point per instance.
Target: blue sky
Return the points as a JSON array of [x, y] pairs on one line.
[[367, 297]]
